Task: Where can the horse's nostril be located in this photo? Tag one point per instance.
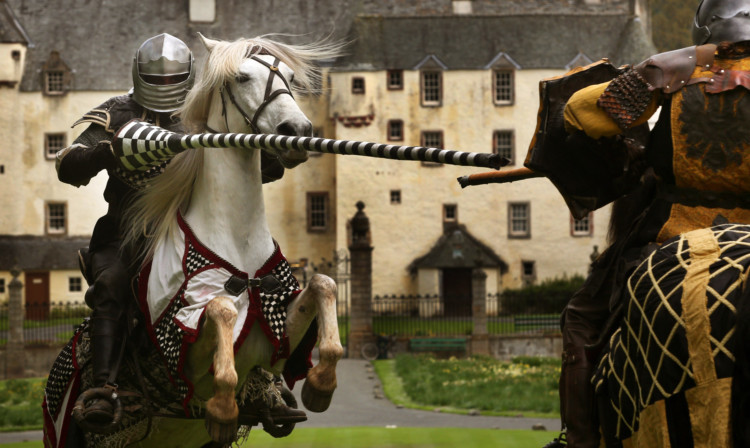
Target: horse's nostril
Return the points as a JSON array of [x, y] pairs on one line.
[[295, 128], [285, 128]]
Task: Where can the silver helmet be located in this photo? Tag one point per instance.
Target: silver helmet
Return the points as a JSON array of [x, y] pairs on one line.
[[162, 73], [719, 21]]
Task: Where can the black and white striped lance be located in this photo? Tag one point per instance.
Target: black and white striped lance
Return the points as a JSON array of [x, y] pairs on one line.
[[139, 146]]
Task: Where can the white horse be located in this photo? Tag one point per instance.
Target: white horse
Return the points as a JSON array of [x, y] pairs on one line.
[[221, 300]]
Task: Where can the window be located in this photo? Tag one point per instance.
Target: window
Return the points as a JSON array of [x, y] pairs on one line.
[[450, 213], [75, 284], [432, 88], [503, 87], [432, 139], [56, 213], [528, 272], [317, 211], [395, 79], [54, 82], [395, 130], [395, 196], [52, 144], [358, 85], [2, 286], [582, 227], [519, 220], [56, 75], [503, 143]]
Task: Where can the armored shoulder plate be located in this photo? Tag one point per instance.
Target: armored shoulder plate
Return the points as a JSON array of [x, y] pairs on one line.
[[113, 113], [673, 70]]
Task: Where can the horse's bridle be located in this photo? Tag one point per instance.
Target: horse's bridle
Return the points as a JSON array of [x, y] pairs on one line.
[[267, 98]]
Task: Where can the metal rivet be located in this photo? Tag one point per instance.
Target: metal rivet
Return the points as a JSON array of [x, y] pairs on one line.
[[708, 66], [711, 80], [722, 71], [683, 82], [690, 57]]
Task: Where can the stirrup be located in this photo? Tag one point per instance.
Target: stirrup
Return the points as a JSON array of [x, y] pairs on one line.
[[107, 393], [559, 442]]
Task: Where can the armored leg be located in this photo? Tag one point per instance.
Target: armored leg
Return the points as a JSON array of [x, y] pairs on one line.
[[108, 297]]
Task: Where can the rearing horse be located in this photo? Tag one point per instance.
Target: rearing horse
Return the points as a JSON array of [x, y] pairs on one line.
[[217, 295]]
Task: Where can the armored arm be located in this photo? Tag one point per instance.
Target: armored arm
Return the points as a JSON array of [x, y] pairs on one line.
[[89, 154]]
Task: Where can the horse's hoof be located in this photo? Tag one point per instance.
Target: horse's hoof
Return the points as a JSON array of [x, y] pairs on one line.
[[222, 433], [221, 420], [314, 399]]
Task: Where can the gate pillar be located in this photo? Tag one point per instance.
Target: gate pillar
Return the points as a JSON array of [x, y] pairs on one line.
[[14, 361], [360, 250], [480, 343]]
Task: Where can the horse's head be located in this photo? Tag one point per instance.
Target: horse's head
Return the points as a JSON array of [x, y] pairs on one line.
[[256, 96]]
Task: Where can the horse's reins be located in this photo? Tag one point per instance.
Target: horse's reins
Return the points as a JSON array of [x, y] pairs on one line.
[[269, 96]]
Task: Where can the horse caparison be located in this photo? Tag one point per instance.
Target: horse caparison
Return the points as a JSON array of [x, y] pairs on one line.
[[200, 225], [676, 369]]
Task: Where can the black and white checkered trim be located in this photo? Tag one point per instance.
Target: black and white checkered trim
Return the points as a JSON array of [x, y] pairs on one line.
[[61, 373], [275, 303], [169, 338], [194, 261]]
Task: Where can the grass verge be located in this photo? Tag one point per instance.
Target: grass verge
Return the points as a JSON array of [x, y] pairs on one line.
[[369, 437]]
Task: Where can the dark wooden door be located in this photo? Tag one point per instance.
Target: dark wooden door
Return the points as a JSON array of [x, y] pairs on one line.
[[37, 295], [457, 291]]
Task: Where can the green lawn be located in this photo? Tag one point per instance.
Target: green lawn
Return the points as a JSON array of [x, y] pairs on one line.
[[368, 437], [527, 386]]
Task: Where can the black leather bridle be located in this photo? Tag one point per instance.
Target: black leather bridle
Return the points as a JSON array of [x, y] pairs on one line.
[[269, 96]]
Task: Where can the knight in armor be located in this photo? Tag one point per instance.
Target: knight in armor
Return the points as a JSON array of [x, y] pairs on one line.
[[699, 156], [163, 73]]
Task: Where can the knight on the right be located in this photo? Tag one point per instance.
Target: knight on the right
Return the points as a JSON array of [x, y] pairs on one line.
[[698, 174]]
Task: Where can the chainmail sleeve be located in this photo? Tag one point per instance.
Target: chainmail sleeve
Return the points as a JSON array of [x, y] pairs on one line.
[[626, 98]]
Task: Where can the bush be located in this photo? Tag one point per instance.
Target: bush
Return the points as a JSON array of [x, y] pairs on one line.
[[550, 296]]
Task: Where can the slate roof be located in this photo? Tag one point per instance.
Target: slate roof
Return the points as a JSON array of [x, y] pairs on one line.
[[458, 248], [98, 38], [39, 253], [472, 42], [11, 30]]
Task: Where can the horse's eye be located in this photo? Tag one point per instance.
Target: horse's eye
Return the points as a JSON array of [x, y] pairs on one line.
[[291, 78], [242, 78]]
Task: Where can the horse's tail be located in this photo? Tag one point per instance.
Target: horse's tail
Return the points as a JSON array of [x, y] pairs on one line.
[[741, 379]]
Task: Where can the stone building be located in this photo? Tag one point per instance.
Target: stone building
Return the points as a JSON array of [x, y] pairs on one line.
[[459, 74]]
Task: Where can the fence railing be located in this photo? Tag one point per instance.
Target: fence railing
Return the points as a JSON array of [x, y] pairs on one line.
[[415, 315], [45, 323], [392, 315]]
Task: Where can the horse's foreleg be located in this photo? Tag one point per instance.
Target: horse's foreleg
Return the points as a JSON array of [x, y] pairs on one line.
[[221, 409], [321, 379]]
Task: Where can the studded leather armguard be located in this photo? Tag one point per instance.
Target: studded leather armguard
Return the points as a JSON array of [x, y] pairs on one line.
[[626, 98]]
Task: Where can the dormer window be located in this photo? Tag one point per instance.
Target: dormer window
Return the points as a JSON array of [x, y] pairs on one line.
[[56, 75], [432, 88], [503, 87], [431, 81], [503, 79]]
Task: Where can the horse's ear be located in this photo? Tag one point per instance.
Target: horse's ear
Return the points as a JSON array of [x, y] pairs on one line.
[[208, 43]]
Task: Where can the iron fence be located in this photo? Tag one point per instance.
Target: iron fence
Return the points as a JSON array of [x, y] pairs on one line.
[[428, 315], [45, 323]]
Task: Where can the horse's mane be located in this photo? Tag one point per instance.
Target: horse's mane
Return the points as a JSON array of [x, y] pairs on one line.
[[151, 215]]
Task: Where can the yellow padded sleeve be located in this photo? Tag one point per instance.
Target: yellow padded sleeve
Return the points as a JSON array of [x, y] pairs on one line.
[[582, 113]]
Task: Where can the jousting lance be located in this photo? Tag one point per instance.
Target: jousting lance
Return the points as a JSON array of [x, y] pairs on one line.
[[139, 146], [498, 177]]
